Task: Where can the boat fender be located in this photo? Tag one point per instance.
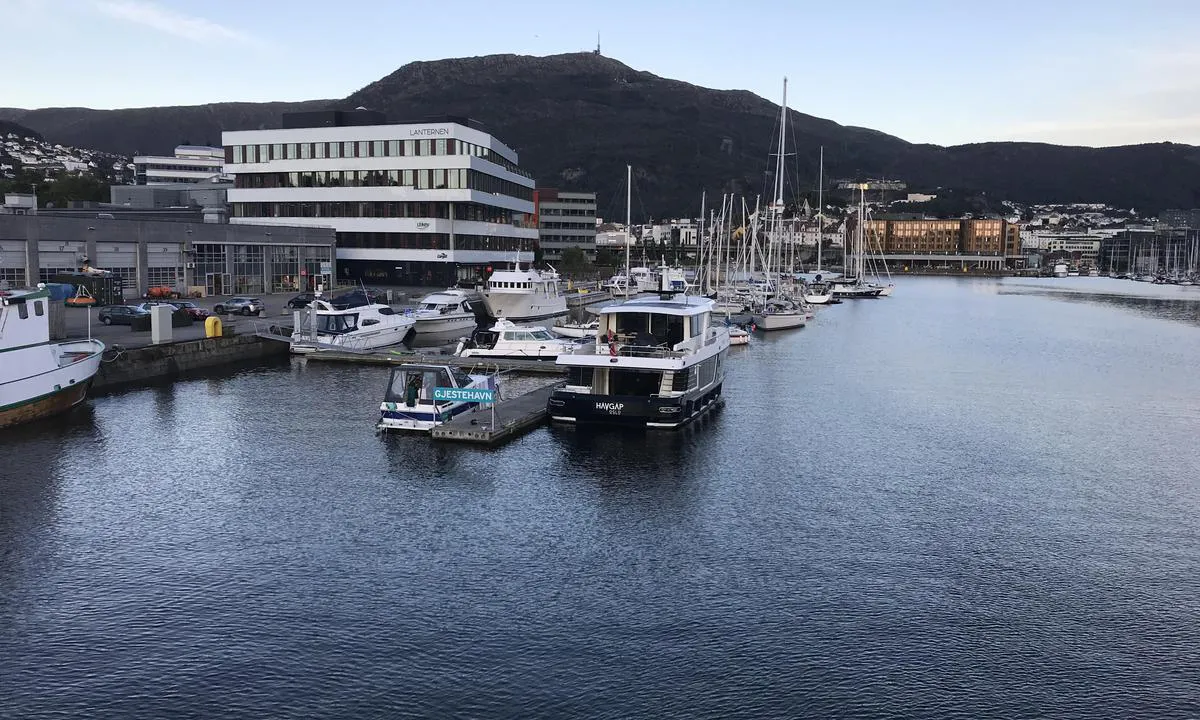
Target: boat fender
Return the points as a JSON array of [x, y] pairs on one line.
[[612, 343]]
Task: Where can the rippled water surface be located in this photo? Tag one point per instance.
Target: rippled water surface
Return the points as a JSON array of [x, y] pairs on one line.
[[975, 498]]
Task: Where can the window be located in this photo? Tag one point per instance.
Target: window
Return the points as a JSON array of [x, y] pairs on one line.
[[393, 147], [335, 150], [348, 149], [38, 308], [23, 311], [264, 153], [237, 153], [277, 151], [291, 151], [377, 148], [364, 148], [306, 150], [319, 150]]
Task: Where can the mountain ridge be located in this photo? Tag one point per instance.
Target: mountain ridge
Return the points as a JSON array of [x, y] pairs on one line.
[[577, 119]]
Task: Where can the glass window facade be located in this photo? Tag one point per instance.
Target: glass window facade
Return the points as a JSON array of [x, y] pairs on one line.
[[374, 148]]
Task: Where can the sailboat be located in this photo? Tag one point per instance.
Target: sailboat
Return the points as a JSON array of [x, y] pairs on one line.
[[819, 292], [854, 287], [778, 310]]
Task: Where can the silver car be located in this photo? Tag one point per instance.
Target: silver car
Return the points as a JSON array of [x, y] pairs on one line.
[[240, 305]]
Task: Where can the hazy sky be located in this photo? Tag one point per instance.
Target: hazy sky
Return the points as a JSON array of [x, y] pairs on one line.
[[1087, 72]]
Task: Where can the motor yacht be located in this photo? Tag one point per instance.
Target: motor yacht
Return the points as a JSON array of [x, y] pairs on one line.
[[320, 326], [444, 311], [506, 339]]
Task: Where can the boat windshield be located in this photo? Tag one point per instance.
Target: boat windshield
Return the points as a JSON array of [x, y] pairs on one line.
[[415, 385], [541, 335], [337, 324]]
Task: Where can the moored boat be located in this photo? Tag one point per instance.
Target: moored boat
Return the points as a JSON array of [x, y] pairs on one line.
[[39, 378], [524, 295], [444, 311], [368, 327], [657, 362], [421, 397], [576, 329], [506, 339]]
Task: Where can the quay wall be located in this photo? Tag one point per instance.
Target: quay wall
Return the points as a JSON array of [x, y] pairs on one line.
[[134, 366]]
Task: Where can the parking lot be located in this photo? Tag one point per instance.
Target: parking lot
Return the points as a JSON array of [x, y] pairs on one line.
[[275, 313]]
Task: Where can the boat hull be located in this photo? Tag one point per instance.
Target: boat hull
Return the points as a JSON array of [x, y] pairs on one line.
[[779, 321], [631, 411], [444, 324], [45, 406], [519, 307], [354, 342], [49, 393]]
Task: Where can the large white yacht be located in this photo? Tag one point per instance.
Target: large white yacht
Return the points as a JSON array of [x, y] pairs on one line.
[[524, 295], [39, 378], [656, 362], [506, 339], [444, 311], [368, 327]]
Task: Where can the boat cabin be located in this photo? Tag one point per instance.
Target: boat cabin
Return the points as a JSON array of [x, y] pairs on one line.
[[412, 385], [652, 327]]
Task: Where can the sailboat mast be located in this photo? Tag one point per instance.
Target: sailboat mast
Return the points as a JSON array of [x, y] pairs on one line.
[[820, 206], [628, 221]]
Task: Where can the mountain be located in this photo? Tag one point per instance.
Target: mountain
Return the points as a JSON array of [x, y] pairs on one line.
[[7, 128], [578, 119], [155, 130]]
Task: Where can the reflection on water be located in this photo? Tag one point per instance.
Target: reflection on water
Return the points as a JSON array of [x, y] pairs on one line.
[[1167, 302]]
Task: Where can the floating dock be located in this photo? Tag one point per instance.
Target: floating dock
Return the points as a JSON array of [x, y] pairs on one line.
[[513, 418], [399, 358]]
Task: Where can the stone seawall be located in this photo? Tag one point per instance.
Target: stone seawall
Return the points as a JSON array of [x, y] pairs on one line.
[[134, 366]]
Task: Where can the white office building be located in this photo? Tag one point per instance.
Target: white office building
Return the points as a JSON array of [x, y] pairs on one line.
[[190, 164], [427, 203]]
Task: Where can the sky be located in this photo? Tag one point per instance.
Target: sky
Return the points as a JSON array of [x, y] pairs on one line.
[[1077, 72]]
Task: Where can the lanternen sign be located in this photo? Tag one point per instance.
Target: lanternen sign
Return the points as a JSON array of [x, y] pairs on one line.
[[427, 132]]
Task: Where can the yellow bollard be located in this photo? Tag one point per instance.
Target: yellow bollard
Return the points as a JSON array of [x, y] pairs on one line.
[[212, 326]]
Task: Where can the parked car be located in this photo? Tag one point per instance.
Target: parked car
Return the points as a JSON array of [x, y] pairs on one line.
[[121, 314], [240, 305], [301, 301], [195, 311], [151, 303], [358, 298]]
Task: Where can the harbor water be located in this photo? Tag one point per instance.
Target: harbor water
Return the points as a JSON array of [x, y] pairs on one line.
[[975, 498]]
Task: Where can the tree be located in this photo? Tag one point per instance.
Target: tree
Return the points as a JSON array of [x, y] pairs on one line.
[[605, 257], [574, 260]]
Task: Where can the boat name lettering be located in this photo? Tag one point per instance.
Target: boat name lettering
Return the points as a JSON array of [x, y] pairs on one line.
[[482, 395], [612, 408]]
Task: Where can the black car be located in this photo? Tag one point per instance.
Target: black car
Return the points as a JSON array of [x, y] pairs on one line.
[[301, 301], [120, 314], [358, 298]]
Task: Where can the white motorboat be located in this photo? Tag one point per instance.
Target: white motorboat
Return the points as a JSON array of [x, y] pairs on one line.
[[320, 326], [644, 278], [39, 378], [1060, 270], [818, 293], [444, 311], [657, 362], [576, 329], [524, 295], [421, 397], [739, 336], [506, 339]]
